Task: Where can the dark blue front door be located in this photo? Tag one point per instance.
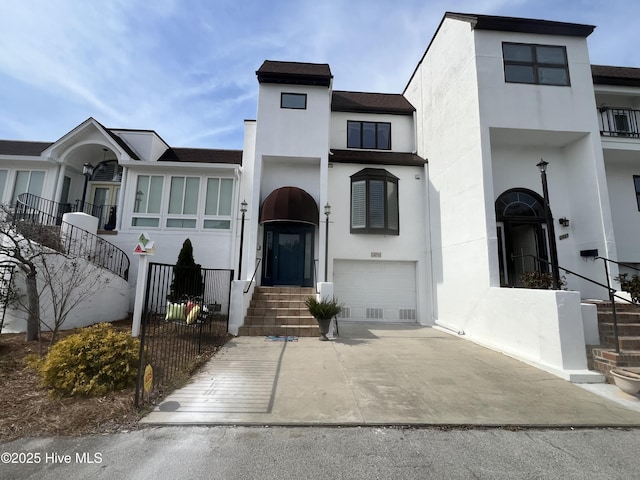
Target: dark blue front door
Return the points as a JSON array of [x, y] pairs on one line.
[[288, 254]]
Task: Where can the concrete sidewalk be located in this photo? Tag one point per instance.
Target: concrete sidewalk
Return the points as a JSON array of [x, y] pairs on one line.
[[383, 375]]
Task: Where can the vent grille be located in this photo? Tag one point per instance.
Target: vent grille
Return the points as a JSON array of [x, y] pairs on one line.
[[375, 313], [345, 313], [407, 314]]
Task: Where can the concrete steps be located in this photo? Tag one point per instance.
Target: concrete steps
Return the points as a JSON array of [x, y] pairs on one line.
[[603, 358], [279, 311]]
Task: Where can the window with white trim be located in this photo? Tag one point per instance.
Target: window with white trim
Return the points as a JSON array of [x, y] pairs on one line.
[[217, 209], [148, 201], [28, 181], [3, 183], [374, 202], [183, 202]]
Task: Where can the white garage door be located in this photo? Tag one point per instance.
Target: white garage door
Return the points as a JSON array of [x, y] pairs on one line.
[[376, 291]]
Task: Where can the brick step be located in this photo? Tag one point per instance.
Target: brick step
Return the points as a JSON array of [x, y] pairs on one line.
[[277, 312], [606, 316], [273, 304], [606, 359], [625, 342], [620, 306], [279, 330], [281, 320], [626, 329], [284, 291]]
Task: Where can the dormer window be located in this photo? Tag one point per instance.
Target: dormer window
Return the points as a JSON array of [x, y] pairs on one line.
[[371, 135], [536, 64]]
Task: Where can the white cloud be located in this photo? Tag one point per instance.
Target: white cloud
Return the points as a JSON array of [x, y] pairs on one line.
[[185, 68]]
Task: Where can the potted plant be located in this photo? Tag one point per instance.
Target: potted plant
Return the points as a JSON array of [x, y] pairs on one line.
[[323, 311]]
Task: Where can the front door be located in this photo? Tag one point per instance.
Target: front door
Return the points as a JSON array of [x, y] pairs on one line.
[[523, 243], [104, 198], [288, 254]]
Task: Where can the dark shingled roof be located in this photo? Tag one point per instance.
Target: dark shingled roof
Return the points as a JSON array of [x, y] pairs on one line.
[[625, 76], [20, 147], [523, 25], [376, 158], [294, 73], [202, 155], [371, 103]]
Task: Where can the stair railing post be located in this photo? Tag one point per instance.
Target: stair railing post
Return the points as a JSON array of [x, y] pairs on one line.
[[612, 299]]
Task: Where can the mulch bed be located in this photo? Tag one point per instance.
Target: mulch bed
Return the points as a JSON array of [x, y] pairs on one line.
[[27, 409]]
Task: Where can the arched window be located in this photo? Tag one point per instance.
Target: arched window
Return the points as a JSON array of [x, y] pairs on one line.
[[374, 202], [519, 203]]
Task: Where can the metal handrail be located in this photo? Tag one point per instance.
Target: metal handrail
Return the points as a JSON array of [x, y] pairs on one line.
[[73, 240], [610, 290], [254, 275]]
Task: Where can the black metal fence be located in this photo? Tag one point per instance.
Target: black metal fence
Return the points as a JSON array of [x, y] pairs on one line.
[[6, 293], [186, 314], [41, 220]]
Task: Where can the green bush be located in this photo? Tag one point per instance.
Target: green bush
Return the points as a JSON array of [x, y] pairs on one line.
[[93, 362], [631, 285]]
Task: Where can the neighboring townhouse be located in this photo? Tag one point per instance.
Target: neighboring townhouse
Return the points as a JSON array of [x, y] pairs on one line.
[[425, 207]]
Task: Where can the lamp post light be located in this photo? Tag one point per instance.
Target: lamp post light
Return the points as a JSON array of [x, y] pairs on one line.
[[555, 271], [243, 209], [87, 171], [327, 212]]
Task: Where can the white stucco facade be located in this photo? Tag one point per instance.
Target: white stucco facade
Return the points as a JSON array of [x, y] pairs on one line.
[[419, 185]]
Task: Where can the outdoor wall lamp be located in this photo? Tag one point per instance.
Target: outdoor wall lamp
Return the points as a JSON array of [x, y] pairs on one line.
[[87, 171], [564, 221], [555, 269]]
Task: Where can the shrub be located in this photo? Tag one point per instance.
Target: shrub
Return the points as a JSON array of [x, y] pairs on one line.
[[631, 285], [93, 362], [541, 280]]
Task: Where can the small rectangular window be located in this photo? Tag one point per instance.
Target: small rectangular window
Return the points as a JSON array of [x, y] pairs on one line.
[[535, 64], [636, 183], [296, 101]]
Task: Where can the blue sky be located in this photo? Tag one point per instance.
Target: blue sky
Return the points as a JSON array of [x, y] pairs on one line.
[[186, 68]]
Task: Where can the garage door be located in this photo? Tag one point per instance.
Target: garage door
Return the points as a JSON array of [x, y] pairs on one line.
[[376, 291]]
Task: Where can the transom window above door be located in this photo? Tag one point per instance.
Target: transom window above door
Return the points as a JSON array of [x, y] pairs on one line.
[[371, 135], [535, 64]]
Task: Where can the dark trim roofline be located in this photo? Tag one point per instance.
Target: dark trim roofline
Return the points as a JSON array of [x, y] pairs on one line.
[[619, 76], [202, 155], [295, 73], [509, 24], [362, 102], [369, 157], [523, 25], [23, 148]]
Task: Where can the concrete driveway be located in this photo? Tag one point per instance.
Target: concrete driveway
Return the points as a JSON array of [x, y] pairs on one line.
[[383, 375]]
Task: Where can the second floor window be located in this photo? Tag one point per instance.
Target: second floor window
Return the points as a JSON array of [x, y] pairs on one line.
[[536, 64], [371, 135]]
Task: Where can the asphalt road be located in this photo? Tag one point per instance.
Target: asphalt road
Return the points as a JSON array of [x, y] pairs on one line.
[[319, 453]]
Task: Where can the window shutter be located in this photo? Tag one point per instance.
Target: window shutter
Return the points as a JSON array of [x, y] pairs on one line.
[[376, 204], [359, 204], [392, 206]]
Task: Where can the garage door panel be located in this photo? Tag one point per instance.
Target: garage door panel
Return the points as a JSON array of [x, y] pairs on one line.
[[376, 290]]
